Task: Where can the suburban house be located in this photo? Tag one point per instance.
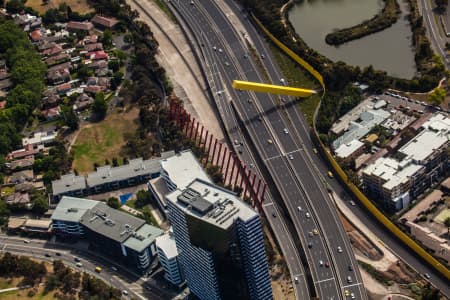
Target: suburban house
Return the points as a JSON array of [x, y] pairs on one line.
[[86, 26], [104, 22]]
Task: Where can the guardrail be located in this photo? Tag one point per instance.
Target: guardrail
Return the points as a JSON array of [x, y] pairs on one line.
[[442, 269]]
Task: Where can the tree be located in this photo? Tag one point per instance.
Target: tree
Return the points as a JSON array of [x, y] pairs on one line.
[[143, 198], [70, 118], [100, 107], [447, 223], [116, 79], [114, 65], [4, 213], [15, 6], [40, 205], [437, 96], [113, 202], [115, 162], [107, 38], [441, 5]]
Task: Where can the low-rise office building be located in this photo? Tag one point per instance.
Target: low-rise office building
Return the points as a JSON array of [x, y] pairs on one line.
[[108, 178], [111, 232]]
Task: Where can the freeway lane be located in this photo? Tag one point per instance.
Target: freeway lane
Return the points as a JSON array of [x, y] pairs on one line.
[[304, 130], [320, 281], [277, 224]]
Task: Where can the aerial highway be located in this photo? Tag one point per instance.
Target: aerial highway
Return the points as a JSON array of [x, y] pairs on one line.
[[385, 236], [278, 226], [282, 153]]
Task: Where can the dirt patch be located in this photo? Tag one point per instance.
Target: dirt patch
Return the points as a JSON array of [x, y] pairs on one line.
[[80, 6], [104, 140], [359, 242]]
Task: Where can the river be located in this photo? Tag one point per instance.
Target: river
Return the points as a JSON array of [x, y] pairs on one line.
[[389, 50]]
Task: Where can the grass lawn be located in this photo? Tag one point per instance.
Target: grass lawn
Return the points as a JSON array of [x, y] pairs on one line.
[[440, 218], [7, 190], [80, 6], [104, 140], [296, 76]]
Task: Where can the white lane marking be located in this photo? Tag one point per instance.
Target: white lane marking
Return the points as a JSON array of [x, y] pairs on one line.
[[323, 280], [350, 285]]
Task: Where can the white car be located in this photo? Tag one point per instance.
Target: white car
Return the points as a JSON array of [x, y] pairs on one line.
[[339, 249], [299, 208], [291, 157], [308, 215], [214, 48], [125, 292], [79, 265], [220, 50], [320, 262], [285, 131]]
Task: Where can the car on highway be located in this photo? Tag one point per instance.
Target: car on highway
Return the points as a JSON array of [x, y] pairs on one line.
[[47, 255], [114, 268], [307, 215], [320, 262], [352, 203], [26, 241], [274, 214], [349, 279], [76, 259], [262, 56], [291, 157], [330, 174], [227, 64], [270, 141], [310, 245], [296, 279], [58, 254], [98, 269], [125, 292], [350, 268], [214, 48], [260, 119], [236, 142], [346, 293], [352, 296], [315, 231], [315, 150], [310, 234], [299, 208], [285, 130], [427, 276], [220, 50], [245, 55], [79, 265], [327, 264], [339, 249]]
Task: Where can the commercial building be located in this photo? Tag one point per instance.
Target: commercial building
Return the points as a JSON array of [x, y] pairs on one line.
[[108, 178], [169, 258], [176, 172], [350, 150], [417, 165], [220, 243], [392, 183], [111, 232]]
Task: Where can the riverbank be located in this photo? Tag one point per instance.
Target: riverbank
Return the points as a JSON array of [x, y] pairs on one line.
[[387, 16]]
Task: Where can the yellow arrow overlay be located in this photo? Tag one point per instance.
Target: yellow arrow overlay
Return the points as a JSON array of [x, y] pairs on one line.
[[272, 89]]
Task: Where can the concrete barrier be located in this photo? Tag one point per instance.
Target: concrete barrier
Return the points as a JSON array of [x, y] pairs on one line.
[[437, 265]]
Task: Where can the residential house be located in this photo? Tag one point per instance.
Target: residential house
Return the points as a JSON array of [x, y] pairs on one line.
[[43, 45], [23, 163], [96, 55], [56, 49], [21, 177], [62, 57], [6, 84], [94, 89], [51, 113], [104, 22], [66, 65], [27, 150], [90, 39], [85, 26], [50, 101], [93, 47], [36, 35], [58, 76], [83, 101], [102, 72], [98, 64], [19, 199], [63, 88], [40, 138]]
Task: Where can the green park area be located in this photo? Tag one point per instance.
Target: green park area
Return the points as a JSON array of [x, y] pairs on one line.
[[102, 141]]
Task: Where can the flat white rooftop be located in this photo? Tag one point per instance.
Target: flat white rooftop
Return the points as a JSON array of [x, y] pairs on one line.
[[435, 135], [392, 171], [166, 243], [183, 168], [345, 150], [211, 204]]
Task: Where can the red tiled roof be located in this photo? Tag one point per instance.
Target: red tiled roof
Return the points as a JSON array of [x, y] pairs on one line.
[[104, 21], [36, 35], [80, 26], [97, 55]]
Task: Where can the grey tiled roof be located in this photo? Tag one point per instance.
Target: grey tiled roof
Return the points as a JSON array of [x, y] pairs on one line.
[[67, 183]]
